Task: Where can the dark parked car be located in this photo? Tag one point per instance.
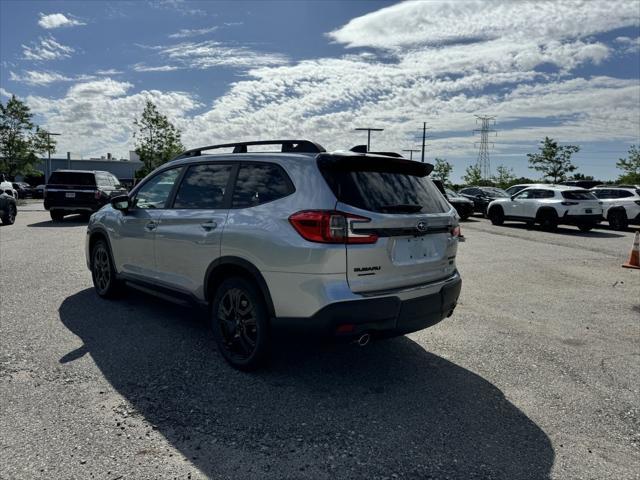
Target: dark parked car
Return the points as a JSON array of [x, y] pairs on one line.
[[8, 209], [79, 191], [463, 206], [38, 191], [482, 196], [24, 189]]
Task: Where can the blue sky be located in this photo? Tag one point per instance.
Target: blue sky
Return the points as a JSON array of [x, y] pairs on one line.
[[225, 71]]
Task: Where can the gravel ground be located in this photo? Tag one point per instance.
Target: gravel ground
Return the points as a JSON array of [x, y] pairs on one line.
[[535, 376]]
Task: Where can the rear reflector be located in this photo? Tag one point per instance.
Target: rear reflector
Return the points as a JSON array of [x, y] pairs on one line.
[[329, 226], [346, 328]]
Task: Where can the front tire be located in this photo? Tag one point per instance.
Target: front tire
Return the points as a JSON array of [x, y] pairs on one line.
[[618, 220], [103, 272], [56, 215], [240, 324], [10, 215], [496, 215]]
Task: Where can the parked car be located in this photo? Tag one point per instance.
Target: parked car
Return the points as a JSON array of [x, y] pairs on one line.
[[513, 189], [24, 189], [481, 196], [549, 206], [7, 187], [463, 205], [349, 245], [38, 191], [79, 191], [8, 208], [620, 205]]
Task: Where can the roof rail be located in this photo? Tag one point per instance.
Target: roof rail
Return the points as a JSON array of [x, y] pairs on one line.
[[288, 146]]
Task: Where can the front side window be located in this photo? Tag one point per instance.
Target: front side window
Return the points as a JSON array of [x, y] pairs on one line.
[[526, 194], [203, 186], [155, 192], [258, 184]]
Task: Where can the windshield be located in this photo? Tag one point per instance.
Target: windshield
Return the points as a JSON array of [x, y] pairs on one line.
[[496, 192], [451, 193]]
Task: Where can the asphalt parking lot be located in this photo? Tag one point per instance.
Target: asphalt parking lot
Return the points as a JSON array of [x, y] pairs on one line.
[[536, 375]]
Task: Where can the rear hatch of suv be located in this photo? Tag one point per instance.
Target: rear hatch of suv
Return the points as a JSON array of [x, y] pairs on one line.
[[581, 202], [71, 189], [402, 229]]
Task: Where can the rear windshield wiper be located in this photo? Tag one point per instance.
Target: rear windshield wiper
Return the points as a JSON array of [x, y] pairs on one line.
[[401, 207]]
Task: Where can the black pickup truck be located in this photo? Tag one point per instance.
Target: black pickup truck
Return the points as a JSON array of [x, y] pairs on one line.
[[79, 191]]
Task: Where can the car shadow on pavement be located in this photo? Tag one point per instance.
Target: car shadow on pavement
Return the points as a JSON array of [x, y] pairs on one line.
[[573, 232], [318, 411], [72, 220]]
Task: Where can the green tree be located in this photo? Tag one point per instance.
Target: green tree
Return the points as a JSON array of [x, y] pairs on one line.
[[554, 161], [582, 176], [442, 170], [20, 139], [504, 176], [472, 175], [157, 139], [630, 166]]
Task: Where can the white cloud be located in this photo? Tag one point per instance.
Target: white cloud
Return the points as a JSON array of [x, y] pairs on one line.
[[439, 22], [57, 20], [185, 32], [46, 49], [110, 71], [141, 67], [631, 45], [180, 6], [4, 93], [32, 77], [210, 54]]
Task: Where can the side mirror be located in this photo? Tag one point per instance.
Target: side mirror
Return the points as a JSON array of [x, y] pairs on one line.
[[121, 202]]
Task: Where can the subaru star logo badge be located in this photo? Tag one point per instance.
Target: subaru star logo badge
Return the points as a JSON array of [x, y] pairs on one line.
[[422, 226]]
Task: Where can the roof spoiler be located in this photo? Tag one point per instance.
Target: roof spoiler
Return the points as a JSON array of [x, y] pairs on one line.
[[363, 149], [373, 163], [287, 146]]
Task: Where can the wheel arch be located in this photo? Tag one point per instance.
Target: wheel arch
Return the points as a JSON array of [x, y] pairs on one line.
[[618, 209], [543, 212], [225, 267], [100, 234]]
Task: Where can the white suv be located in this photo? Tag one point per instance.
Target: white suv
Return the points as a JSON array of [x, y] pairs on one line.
[[549, 206], [620, 205]]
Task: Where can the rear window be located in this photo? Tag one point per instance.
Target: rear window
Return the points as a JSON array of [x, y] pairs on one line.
[[392, 191], [72, 178], [578, 195]]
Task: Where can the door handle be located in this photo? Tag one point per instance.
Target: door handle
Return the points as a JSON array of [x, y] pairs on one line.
[[208, 226], [151, 225]]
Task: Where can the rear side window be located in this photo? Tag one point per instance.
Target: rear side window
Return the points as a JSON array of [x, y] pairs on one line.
[[602, 193], [578, 195], [203, 186], [260, 183], [624, 193], [73, 178], [386, 192], [104, 180]]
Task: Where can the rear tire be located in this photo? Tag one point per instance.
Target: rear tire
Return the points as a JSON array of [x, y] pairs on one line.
[[240, 324], [56, 215], [618, 220], [548, 221], [103, 272], [496, 215], [10, 215]]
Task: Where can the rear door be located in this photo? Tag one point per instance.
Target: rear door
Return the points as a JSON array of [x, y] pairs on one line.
[[412, 219], [189, 233]]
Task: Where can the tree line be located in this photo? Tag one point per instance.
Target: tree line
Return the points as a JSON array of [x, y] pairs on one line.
[[157, 141]]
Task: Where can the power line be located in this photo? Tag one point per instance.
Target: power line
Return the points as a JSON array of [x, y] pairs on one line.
[[483, 162]]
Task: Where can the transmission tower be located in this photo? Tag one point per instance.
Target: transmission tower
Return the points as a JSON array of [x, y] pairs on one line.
[[485, 130]]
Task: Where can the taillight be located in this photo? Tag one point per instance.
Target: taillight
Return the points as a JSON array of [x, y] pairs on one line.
[[455, 231], [569, 203], [97, 194], [328, 226]]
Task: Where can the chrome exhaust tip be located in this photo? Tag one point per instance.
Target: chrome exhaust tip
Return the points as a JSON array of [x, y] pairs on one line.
[[363, 340]]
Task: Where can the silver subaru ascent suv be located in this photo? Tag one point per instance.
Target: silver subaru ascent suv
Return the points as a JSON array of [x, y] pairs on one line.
[[340, 244]]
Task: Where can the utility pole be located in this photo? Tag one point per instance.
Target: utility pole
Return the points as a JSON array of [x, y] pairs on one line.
[[48, 169], [410, 150], [369, 130], [483, 162]]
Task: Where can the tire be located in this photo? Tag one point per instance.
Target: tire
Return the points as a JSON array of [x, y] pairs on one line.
[[585, 228], [10, 216], [56, 215], [240, 324], [496, 215], [618, 220], [548, 220], [103, 272]]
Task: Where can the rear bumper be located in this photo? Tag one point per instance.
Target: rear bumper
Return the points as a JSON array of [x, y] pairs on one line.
[[582, 219], [77, 207], [380, 316]]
